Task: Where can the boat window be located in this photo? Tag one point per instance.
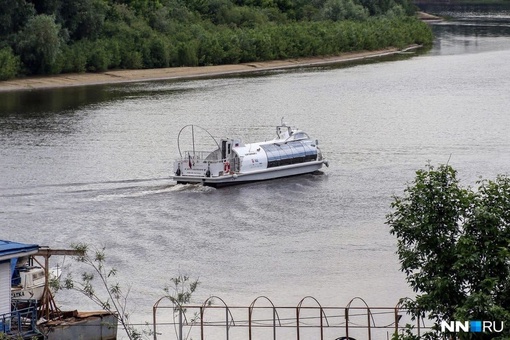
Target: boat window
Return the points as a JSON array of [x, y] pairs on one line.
[[289, 153], [37, 275], [237, 162], [223, 148], [301, 135]]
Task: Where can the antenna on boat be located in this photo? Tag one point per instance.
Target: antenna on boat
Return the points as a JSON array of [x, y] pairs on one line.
[[193, 139]]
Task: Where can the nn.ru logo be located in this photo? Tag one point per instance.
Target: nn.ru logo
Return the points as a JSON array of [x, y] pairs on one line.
[[472, 326]]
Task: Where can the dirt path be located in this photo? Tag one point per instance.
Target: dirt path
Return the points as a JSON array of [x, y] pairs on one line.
[[124, 76]]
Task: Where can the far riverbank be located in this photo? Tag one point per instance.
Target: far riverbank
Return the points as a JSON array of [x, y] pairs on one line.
[[126, 76]]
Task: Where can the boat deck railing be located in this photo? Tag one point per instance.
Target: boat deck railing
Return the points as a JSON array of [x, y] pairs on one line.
[[200, 156], [214, 319]]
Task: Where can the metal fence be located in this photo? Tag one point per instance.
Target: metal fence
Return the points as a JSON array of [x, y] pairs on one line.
[[214, 319], [19, 323]]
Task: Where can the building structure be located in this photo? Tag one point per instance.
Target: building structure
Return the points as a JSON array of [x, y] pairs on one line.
[[9, 252]]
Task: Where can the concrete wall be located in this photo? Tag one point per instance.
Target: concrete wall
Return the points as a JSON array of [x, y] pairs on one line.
[[96, 327]]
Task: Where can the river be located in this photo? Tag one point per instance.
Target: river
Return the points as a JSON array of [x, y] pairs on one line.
[[92, 165]]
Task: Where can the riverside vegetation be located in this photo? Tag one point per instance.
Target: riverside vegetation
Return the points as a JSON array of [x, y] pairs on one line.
[[61, 36]]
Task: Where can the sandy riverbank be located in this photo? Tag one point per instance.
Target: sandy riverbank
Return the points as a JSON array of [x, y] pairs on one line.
[[125, 76]]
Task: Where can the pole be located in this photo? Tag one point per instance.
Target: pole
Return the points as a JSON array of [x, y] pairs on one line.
[[226, 320], [347, 323], [202, 323], [154, 311], [180, 323], [274, 323], [297, 323], [193, 137], [396, 321], [368, 319], [322, 329], [46, 289]]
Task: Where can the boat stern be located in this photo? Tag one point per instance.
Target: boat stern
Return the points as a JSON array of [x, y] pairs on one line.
[[193, 171]]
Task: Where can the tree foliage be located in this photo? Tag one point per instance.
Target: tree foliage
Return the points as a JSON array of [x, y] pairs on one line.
[[337, 10], [14, 15], [9, 64], [97, 282], [39, 44], [54, 36], [454, 246], [107, 294], [180, 293], [83, 18]]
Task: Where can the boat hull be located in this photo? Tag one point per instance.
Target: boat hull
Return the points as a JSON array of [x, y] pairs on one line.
[[254, 176]]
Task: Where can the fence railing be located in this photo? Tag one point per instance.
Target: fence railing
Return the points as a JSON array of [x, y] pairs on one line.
[[214, 319], [19, 322]]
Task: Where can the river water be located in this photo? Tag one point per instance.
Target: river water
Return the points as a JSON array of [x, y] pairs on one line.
[[92, 165]]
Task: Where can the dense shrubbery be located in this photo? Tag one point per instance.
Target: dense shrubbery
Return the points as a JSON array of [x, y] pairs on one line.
[[9, 64], [58, 36]]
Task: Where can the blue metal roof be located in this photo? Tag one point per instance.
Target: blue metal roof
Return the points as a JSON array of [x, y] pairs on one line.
[[9, 249]]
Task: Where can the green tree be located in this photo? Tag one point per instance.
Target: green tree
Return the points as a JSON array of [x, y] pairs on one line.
[[337, 10], [187, 54], [9, 64], [39, 44], [83, 18], [157, 53], [142, 7], [49, 7], [74, 58], [98, 59], [14, 14], [453, 245]]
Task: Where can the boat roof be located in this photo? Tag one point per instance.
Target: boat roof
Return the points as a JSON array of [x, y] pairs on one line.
[[9, 249]]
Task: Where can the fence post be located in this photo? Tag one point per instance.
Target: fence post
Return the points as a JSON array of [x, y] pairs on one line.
[[226, 320], [369, 329], [297, 322], [274, 323], [347, 323], [322, 330], [418, 319], [180, 323], [202, 323], [154, 326], [249, 322], [396, 320]]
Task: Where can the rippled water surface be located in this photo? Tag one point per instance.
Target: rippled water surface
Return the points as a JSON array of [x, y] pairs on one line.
[[92, 165]]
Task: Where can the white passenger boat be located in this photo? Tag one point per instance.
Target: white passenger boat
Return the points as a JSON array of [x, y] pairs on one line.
[[291, 153]]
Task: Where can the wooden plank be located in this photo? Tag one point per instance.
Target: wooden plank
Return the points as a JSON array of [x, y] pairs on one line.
[[48, 252]]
